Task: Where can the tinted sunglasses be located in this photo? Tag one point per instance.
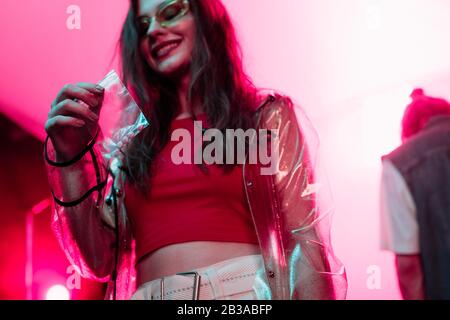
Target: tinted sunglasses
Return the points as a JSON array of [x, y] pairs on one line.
[[168, 13]]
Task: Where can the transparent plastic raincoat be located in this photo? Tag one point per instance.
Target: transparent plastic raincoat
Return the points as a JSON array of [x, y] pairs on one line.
[[291, 209]]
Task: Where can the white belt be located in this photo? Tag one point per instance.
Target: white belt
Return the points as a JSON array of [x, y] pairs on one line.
[[219, 280]]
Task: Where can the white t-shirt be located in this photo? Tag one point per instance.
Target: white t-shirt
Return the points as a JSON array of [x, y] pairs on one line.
[[398, 223]]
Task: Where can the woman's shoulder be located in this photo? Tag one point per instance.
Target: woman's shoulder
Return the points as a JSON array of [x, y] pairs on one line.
[[274, 104], [270, 99], [278, 111]]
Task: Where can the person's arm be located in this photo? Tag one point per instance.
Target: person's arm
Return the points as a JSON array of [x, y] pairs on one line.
[[78, 191], [410, 276], [77, 176], [400, 232], [315, 273]]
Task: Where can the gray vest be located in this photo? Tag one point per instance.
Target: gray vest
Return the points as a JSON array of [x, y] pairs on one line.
[[424, 162]]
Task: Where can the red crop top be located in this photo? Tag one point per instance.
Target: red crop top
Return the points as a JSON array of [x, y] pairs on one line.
[[185, 204]]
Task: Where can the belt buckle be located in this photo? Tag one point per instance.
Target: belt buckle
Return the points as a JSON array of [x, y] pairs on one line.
[[196, 289], [162, 293]]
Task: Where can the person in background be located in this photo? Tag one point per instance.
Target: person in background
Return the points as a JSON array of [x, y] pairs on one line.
[[415, 200]]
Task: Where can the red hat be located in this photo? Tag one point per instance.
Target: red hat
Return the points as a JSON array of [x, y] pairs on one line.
[[420, 111]]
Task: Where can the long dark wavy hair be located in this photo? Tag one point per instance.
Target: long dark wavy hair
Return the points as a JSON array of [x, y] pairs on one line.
[[218, 81]]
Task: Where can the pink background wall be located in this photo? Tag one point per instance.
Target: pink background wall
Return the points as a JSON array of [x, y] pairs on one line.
[[351, 64]]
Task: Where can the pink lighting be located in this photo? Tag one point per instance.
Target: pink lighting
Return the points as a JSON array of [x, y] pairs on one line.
[[351, 65], [41, 206], [381, 118], [57, 292]]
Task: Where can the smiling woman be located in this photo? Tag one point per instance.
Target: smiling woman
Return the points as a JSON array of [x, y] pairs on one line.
[[167, 39], [157, 229]]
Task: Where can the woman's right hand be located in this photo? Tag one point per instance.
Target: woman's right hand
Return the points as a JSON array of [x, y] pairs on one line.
[[73, 119]]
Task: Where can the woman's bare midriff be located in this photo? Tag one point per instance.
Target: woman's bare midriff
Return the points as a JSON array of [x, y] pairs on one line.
[[189, 256]]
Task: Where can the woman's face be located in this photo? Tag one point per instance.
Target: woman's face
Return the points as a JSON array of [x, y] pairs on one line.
[[167, 41]]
